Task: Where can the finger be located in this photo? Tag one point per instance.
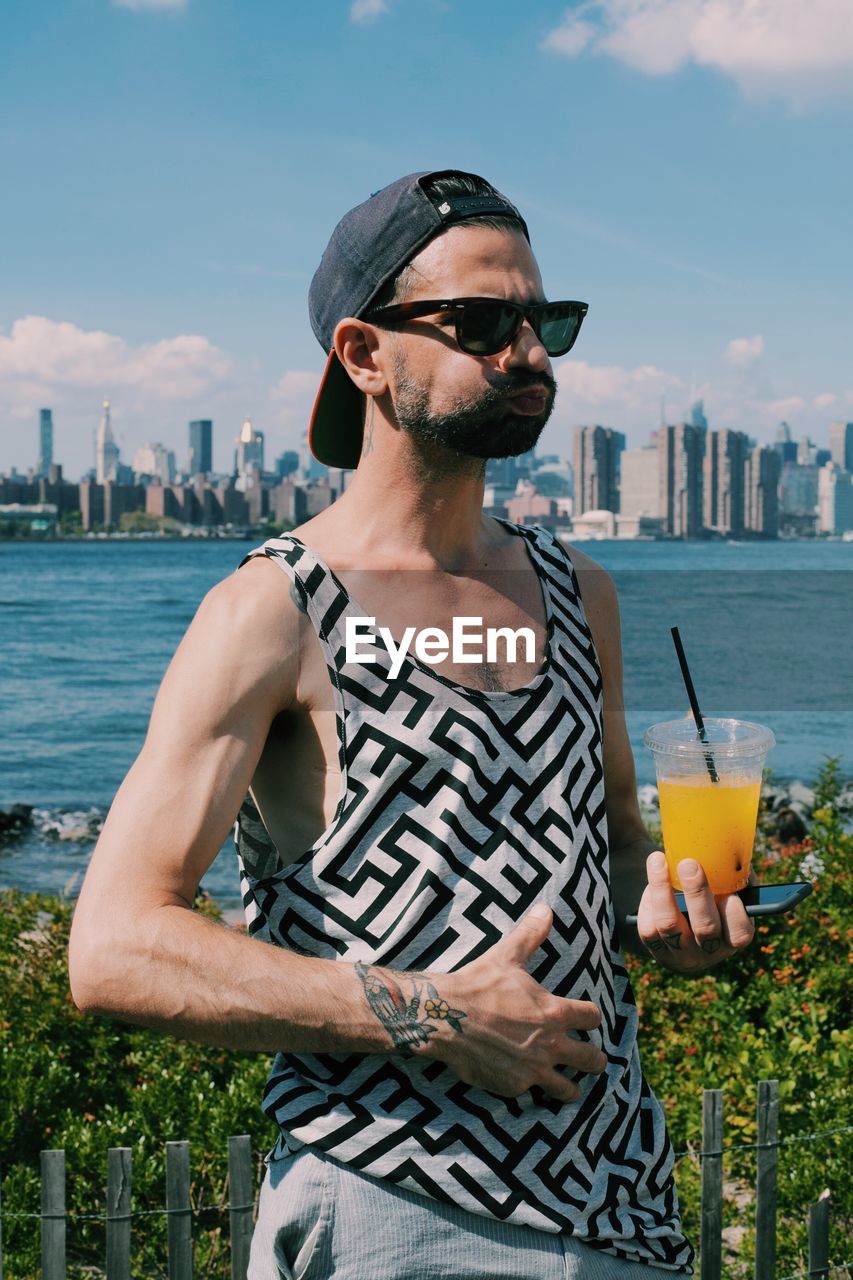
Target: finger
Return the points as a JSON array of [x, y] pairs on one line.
[[738, 928], [661, 924], [518, 945], [580, 1055], [558, 1086], [701, 906], [580, 1015]]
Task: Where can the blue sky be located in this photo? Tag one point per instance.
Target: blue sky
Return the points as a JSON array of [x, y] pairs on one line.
[[171, 172]]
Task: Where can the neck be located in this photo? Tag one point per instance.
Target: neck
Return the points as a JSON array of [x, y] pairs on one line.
[[418, 504]]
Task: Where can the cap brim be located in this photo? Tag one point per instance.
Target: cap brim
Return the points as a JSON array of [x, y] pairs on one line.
[[336, 426]]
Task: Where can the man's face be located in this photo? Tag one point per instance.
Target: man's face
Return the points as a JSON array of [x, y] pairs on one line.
[[480, 406]]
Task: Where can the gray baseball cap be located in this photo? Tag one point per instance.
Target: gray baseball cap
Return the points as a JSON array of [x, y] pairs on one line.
[[369, 246]]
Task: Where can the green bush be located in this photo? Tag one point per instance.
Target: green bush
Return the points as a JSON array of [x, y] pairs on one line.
[[780, 1011], [87, 1084]]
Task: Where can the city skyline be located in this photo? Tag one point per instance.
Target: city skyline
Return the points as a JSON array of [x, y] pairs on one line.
[[174, 174]]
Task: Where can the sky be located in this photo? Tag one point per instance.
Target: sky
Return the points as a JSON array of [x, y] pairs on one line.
[[170, 172]]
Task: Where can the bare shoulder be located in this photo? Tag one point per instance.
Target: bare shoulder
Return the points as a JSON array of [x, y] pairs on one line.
[[598, 589], [247, 635]]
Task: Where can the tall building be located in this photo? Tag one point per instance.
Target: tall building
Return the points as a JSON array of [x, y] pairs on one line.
[[200, 460], [723, 488], [249, 453], [597, 468], [835, 499], [639, 489], [761, 504], [697, 417], [785, 446], [680, 450], [106, 449], [840, 444], [45, 458], [155, 460]]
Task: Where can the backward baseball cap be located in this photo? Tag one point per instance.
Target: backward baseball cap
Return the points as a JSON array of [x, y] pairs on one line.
[[370, 245]]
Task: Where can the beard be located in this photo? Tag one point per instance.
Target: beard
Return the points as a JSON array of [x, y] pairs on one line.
[[483, 428]]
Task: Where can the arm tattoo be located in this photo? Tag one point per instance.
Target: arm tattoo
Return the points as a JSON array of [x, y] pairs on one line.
[[407, 1023]]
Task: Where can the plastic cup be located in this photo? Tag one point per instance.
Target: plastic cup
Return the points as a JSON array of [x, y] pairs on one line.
[[710, 821]]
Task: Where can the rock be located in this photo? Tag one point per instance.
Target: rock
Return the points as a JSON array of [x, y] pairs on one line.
[[800, 796], [17, 820], [845, 800], [648, 797], [789, 826], [774, 797]]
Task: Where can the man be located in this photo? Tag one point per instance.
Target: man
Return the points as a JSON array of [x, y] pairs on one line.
[[441, 850]]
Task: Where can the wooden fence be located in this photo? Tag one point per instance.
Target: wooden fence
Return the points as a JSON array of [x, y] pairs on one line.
[[119, 1216]]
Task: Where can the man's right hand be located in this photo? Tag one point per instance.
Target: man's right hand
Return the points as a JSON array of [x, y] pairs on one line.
[[515, 1033]]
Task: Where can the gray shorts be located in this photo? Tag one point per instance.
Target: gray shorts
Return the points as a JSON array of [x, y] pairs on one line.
[[319, 1219]]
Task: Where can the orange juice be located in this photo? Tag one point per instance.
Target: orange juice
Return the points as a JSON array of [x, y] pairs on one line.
[[713, 822]]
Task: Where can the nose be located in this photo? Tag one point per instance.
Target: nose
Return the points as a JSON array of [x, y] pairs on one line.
[[525, 351]]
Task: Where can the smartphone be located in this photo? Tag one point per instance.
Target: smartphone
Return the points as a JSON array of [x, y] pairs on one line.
[[759, 899]]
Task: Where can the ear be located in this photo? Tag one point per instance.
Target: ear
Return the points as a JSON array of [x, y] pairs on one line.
[[359, 350]]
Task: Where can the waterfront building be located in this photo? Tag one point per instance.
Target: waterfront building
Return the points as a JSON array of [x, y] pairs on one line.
[[597, 452], [841, 445], [249, 452], [785, 446], [106, 449], [200, 458], [835, 500], [639, 485], [798, 500], [723, 487], [310, 468], [45, 458], [680, 449], [286, 463], [761, 507], [806, 453], [154, 460], [696, 417]]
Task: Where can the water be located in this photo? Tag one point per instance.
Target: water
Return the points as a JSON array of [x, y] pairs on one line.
[[88, 630]]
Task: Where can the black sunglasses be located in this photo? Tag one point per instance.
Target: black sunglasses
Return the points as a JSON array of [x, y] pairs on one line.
[[485, 326]]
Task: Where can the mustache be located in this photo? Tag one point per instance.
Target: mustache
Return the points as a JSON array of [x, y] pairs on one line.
[[521, 380]]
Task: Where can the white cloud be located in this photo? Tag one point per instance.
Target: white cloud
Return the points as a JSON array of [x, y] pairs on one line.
[[800, 48], [824, 401], [367, 10], [141, 6], [787, 408], [742, 352], [629, 399], [60, 355]]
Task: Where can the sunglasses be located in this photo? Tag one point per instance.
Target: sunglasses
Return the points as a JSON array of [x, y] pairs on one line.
[[485, 326]]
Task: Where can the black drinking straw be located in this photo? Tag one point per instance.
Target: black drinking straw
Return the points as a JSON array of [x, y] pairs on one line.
[[694, 701]]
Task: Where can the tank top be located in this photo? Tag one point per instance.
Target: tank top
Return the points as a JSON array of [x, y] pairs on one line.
[[459, 809]]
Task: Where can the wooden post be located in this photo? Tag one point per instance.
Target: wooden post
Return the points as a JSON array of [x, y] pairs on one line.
[[118, 1213], [180, 1213], [53, 1215], [711, 1237], [819, 1239], [766, 1180], [241, 1201]]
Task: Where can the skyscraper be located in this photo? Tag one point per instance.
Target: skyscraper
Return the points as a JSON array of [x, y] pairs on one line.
[[597, 468], [680, 451], [835, 499], [841, 444], [45, 458], [724, 472], [250, 450], [106, 449], [200, 461], [761, 502]]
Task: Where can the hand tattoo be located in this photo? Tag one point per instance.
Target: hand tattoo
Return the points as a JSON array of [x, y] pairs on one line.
[[711, 945], [405, 1022]]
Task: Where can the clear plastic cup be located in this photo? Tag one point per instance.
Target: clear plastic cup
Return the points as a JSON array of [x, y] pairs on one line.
[[708, 794]]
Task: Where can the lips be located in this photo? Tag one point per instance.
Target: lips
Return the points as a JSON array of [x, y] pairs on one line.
[[533, 400]]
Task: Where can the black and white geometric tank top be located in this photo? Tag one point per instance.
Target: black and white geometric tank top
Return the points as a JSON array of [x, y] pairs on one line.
[[460, 809]]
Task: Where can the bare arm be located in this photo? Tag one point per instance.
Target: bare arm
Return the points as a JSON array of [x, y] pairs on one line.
[[640, 882]]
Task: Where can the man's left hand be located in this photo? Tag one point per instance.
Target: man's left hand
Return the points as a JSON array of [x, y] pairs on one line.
[[713, 929]]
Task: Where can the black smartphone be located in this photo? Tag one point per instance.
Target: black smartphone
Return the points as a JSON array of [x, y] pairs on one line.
[[760, 899]]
